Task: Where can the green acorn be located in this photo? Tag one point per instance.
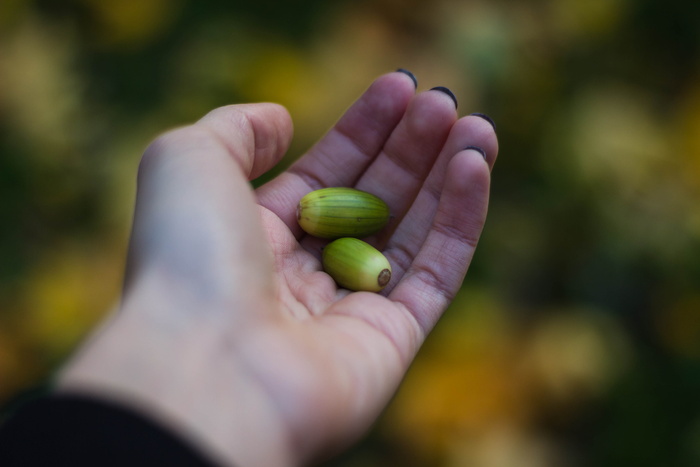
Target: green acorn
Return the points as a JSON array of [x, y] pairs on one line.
[[341, 212], [356, 265]]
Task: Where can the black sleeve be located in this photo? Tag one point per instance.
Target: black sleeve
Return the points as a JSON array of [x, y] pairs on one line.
[[80, 431]]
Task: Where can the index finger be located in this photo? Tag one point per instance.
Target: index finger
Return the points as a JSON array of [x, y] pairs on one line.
[[344, 153]]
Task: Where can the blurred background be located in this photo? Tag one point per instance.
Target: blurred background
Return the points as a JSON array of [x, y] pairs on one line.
[[576, 338]]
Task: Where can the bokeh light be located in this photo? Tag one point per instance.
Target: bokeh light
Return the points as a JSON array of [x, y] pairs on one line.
[[576, 338]]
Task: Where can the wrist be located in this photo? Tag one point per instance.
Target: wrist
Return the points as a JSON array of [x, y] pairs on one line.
[[161, 373]]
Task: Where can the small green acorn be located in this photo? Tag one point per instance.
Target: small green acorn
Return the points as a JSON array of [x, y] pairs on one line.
[[356, 265], [341, 212]]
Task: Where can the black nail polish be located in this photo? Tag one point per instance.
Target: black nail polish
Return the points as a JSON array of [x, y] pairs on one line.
[[410, 75], [487, 118], [446, 91], [477, 149]]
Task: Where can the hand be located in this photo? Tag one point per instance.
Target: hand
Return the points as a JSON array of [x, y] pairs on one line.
[[228, 329]]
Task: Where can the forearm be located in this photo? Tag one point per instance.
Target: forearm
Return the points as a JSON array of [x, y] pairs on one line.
[[159, 371]]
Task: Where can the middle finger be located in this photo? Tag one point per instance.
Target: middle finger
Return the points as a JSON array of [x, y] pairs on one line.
[[399, 171]]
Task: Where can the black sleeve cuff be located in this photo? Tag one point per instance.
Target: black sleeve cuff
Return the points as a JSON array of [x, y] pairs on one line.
[[80, 431]]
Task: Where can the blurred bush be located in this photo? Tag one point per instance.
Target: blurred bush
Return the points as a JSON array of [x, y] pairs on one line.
[[576, 339]]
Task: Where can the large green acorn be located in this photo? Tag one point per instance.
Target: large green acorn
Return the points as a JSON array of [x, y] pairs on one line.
[[356, 265], [341, 212]]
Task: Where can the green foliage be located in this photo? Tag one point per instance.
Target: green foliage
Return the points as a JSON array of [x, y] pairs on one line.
[[576, 340]]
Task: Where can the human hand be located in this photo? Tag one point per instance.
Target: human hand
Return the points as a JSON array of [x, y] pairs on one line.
[[229, 331]]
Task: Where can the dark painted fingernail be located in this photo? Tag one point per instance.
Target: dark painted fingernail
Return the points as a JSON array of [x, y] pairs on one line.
[[410, 75], [477, 149], [487, 118], [446, 91]]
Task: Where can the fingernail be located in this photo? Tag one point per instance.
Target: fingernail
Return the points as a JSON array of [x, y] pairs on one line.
[[410, 75], [477, 149], [487, 118], [446, 91]]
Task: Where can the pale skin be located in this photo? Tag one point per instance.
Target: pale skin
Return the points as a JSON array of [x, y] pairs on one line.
[[229, 332]]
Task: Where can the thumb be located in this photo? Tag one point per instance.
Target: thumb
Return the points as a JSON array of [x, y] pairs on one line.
[[257, 135], [196, 216]]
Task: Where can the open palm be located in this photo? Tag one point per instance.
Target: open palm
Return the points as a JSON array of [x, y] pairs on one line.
[[260, 357]]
